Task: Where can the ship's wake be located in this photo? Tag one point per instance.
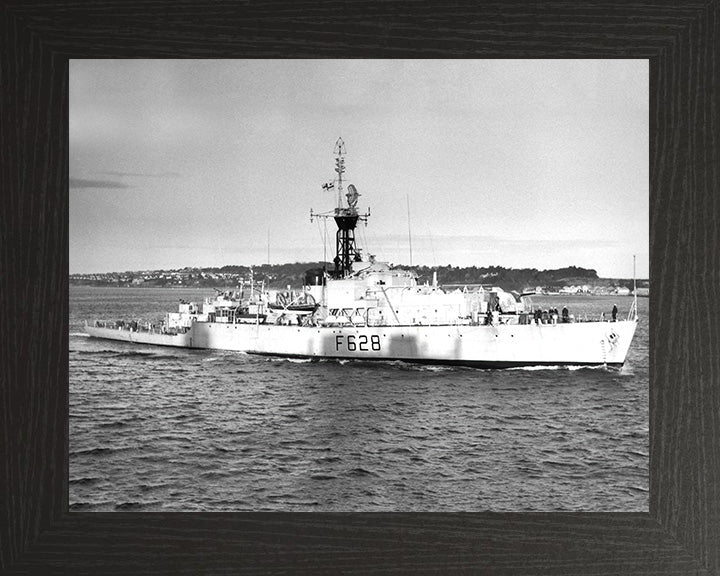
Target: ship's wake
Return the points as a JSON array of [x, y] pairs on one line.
[[565, 367]]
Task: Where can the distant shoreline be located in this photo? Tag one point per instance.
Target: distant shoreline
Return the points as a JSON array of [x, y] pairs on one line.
[[539, 295], [562, 281]]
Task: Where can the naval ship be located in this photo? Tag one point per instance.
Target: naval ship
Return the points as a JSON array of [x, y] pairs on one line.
[[369, 310]]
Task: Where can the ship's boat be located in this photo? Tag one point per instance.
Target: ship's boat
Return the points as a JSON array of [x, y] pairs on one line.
[[289, 301], [364, 309]]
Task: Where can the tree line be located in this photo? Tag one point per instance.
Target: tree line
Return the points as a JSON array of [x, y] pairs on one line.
[[293, 274]]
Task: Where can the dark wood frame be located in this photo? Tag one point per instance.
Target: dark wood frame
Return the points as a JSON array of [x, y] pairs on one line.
[[681, 532]]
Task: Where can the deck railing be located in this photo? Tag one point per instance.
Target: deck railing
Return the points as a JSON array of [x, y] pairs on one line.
[[135, 326]]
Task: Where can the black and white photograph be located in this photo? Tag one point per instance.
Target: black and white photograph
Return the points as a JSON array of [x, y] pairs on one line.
[[359, 285]]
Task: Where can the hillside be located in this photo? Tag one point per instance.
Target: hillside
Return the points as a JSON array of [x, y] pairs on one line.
[[282, 275]]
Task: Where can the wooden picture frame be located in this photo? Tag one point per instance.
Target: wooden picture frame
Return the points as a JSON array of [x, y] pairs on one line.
[[681, 532]]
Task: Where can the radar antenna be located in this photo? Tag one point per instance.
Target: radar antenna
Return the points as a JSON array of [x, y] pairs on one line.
[[346, 218]]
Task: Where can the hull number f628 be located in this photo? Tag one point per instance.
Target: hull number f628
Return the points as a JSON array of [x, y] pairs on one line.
[[352, 343]]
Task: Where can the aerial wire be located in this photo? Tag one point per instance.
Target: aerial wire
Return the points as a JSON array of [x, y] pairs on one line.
[[407, 198]]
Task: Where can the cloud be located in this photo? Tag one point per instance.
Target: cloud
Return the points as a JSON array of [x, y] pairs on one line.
[[144, 174], [77, 183]]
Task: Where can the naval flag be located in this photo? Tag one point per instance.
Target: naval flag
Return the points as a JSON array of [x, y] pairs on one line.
[[328, 186]]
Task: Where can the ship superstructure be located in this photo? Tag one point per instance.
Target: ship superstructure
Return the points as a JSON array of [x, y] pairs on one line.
[[369, 310]]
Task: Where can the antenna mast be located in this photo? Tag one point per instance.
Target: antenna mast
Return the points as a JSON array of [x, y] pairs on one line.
[[407, 197], [346, 218], [340, 169]]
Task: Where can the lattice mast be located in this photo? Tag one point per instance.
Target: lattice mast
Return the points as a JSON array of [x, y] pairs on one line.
[[346, 218]]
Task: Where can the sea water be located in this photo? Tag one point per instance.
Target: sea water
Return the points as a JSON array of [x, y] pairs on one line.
[[168, 429]]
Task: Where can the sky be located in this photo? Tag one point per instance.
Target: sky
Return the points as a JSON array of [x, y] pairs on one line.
[[516, 163]]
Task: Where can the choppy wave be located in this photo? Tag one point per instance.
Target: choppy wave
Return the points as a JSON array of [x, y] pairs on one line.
[[137, 506], [128, 353], [84, 480], [187, 430], [91, 452]]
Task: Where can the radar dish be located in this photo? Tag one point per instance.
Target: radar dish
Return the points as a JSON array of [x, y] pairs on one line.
[[352, 196]]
